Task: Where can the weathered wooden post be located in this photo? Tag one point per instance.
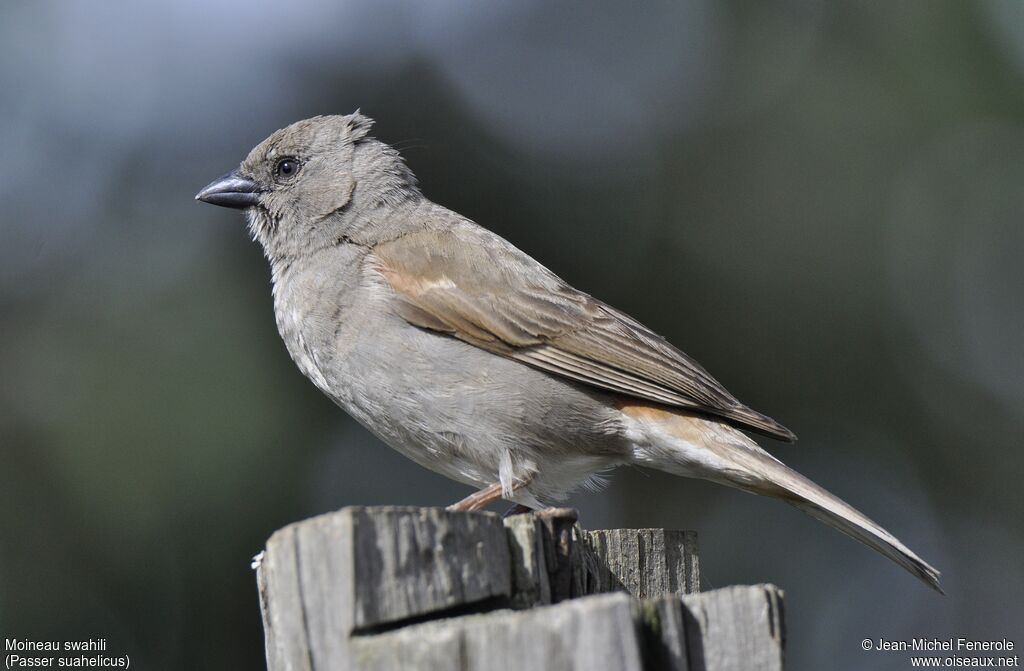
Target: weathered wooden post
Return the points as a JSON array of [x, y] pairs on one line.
[[387, 588]]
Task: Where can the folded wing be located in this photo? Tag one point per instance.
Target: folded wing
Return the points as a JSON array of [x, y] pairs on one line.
[[475, 286]]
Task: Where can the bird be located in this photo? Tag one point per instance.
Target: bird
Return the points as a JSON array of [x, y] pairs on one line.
[[466, 355]]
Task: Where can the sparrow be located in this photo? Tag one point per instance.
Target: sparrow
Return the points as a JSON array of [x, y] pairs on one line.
[[471, 358]]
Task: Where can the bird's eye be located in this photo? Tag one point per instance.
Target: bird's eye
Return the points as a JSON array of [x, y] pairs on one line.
[[286, 168]]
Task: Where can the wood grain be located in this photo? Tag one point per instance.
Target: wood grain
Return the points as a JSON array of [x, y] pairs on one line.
[[423, 588]]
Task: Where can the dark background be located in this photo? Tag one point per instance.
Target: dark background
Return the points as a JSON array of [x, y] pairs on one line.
[[821, 202]]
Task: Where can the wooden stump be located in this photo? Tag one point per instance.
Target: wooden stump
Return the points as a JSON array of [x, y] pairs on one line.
[[423, 588]]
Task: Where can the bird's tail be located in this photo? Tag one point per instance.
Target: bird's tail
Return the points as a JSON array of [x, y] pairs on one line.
[[801, 493], [691, 446]]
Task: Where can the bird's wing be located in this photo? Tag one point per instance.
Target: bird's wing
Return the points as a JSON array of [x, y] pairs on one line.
[[475, 286]]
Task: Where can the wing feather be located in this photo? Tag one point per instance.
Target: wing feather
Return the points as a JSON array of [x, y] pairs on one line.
[[469, 283]]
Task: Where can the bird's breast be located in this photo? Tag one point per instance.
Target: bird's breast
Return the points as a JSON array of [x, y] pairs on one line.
[[318, 313]]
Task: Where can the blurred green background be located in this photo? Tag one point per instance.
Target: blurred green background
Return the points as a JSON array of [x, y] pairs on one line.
[[821, 202]]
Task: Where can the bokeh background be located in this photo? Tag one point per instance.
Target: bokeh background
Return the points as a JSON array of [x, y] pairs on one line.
[[822, 202]]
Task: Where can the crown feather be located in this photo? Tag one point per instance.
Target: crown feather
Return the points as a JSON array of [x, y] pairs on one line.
[[359, 125]]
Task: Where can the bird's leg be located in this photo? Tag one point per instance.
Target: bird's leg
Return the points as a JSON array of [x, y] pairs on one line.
[[478, 500], [485, 497]]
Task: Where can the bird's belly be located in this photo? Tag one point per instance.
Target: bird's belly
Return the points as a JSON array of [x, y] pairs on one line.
[[460, 410]]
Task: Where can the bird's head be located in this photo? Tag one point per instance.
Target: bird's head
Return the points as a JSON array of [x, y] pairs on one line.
[[297, 185]]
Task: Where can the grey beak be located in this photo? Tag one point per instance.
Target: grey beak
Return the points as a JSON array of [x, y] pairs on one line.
[[231, 190]]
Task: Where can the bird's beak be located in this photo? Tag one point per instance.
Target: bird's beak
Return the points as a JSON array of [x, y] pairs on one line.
[[231, 190]]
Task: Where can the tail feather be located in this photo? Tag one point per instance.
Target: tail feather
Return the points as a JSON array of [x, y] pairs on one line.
[[691, 446], [876, 538], [776, 479]]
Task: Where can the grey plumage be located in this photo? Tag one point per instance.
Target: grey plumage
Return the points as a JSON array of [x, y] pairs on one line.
[[470, 357]]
